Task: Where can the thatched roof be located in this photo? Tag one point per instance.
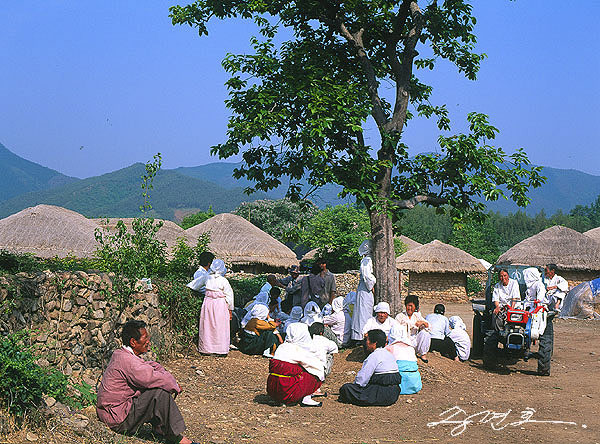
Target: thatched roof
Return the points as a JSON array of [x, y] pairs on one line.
[[310, 255], [410, 244], [237, 241], [567, 248], [168, 233], [438, 257], [594, 233], [48, 231]]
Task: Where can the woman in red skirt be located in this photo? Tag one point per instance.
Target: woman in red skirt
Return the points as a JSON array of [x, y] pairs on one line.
[[295, 372]]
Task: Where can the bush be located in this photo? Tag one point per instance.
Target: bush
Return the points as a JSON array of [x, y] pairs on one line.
[[179, 305], [245, 288], [17, 262], [22, 381]]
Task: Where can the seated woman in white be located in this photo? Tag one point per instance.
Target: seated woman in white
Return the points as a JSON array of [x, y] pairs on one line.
[[460, 337], [381, 320], [402, 349], [417, 326], [336, 320]]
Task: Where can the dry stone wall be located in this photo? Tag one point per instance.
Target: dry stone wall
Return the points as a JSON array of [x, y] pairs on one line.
[[74, 322], [443, 287]]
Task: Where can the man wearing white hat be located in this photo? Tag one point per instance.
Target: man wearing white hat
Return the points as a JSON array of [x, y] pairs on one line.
[[381, 320]]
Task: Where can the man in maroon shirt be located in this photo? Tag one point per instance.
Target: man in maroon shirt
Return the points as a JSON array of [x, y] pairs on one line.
[[133, 391]]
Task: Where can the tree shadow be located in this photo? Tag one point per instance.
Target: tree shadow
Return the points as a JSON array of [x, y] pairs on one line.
[[356, 355]]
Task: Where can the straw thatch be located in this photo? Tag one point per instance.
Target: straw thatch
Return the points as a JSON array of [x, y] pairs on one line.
[[48, 231], [168, 233], [594, 233], [310, 255], [567, 248], [438, 257], [410, 244], [239, 242]]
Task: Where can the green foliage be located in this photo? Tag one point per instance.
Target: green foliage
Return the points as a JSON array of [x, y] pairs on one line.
[[474, 288], [590, 214], [337, 232], [399, 247], [147, 181], [282, 219], [197, 218], [477, 239], [22, 381], [17, 262], [245, 288], [179, 305], [185, 260], [84, 396]]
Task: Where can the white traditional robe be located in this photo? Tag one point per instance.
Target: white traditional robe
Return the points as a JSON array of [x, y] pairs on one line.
[[363, 308]]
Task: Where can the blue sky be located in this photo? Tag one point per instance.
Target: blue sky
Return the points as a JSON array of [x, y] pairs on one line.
[[88, 87]]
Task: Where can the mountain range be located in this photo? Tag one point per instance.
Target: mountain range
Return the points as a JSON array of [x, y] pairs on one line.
[[185, 190]]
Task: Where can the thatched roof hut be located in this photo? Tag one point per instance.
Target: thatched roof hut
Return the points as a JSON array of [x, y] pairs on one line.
[[310, 255], [437, 270], [438, 257], [594, 233], [567, 248], [410, 244], [242, 244], [47, 231], [576, 255], [168, 233]]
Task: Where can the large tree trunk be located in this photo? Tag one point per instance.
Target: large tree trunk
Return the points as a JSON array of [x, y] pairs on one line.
[[384, 261]]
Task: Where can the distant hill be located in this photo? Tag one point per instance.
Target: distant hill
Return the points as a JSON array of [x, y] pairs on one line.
[[221, 173], [18, 176], [119, 194], [189, 189]]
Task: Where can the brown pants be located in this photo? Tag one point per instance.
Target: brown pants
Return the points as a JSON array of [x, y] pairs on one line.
[[157, 407]]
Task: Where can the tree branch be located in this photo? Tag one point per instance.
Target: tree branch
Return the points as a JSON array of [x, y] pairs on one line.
[[408, 204]]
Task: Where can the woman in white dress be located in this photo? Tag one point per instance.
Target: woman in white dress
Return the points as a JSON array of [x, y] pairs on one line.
[[363, 307]]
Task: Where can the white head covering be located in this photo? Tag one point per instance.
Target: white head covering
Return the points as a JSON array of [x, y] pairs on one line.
[[312, 313], [531, 275], [337, 304], [295, 316], [297, 333], [327, 310], [365, 248], [259, 311], [218, 267], [382, 307], [456, 322], [399, 333]]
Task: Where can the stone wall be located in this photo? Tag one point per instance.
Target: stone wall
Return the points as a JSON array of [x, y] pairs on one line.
[[445, 287], [575, 278], [74, 322]]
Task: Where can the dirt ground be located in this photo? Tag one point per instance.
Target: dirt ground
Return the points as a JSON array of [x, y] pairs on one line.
[[224, 400]]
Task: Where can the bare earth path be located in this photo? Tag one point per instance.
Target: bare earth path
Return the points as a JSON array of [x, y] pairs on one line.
[[225, 401]]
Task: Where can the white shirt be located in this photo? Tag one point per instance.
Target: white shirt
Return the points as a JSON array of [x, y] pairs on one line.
[[560, 292], [379, 361], [366, 272], [216, 282], [505, 295], [374, 324], [439, 327], [536, 291], [462, 342], [403, 318], [199, 282], [324, 347], [337, 322]]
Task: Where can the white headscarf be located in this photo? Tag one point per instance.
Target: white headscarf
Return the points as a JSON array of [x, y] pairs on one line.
[[299, 348], [365, 248], [295, 316], [382, 307], [456, 322], [531, 275], [218, 267], [260, 298], [327, 310], [259, 311], [297, 333], [312, 313], [399, 333], [337, 304]]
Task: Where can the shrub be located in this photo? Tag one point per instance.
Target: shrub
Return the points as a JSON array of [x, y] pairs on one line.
[[22, 381], [179, 305], [17, 262], [245, 288]]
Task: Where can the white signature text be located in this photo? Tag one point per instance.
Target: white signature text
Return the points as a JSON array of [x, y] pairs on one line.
[[459, 418]]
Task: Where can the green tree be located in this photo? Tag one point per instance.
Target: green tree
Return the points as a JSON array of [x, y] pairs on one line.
[[337, 233], [282, 219], [300, 101], [197, 218]]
